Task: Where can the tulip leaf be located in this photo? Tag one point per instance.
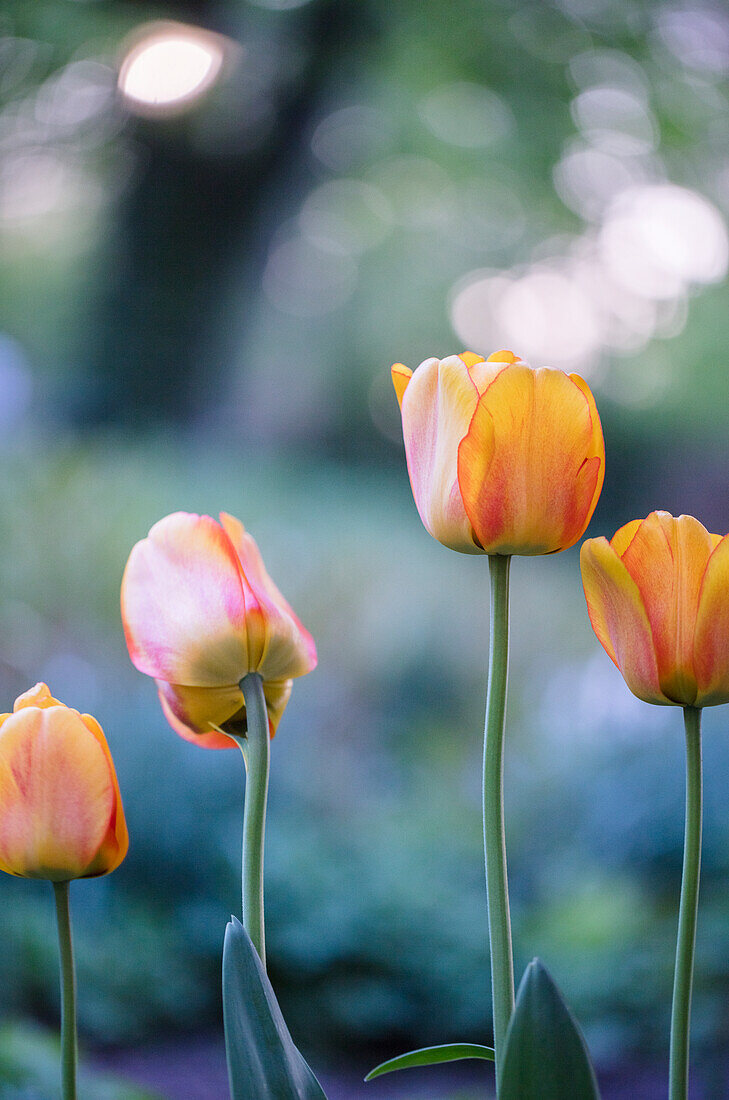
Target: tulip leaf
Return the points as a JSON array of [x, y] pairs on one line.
[[432, 1056], [545, 1056], [262, 1059]]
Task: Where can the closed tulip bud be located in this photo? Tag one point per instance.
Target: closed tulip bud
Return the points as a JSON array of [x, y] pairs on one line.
[[502, 459], [658, 599], [200, 613], [61, 814]]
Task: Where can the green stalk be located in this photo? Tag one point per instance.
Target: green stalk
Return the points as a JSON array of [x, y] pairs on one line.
[[497, 887], [255, 747], [69, 1041], [687, 914]]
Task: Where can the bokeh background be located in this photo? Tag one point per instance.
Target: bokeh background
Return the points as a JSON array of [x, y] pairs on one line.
[[219, 224]]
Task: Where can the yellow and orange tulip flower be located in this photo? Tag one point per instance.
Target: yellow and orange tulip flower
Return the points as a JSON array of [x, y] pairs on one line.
[[502, 459], [200, 612], [658, 599], [61, 814]]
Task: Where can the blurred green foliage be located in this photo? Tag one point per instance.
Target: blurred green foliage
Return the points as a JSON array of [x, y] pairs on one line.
[[198, 312]]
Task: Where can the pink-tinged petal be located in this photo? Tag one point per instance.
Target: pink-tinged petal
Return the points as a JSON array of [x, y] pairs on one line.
[[527, 467], [116, 842], [183, 604], [283, 647], [401, 376], [711, 639], [436, 410], [667, 559], [57, 794], [619, 619]]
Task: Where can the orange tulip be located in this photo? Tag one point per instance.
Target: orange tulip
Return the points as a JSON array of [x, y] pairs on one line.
[[200, 612], [502, 459], [61, 814], [658, 599]]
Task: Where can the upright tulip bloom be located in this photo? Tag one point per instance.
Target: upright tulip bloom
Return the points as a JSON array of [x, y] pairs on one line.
[[61, 818], [202, 616], [658, 599], [503, 460]]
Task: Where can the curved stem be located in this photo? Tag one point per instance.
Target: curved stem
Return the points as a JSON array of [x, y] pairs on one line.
[[256, 753], [497, 888], [69, 1041], [684, 972]]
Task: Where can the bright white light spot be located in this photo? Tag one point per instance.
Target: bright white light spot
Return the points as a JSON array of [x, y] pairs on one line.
[[545, 314], [170, 66], [697, 36], [615, 120], [659, 238], [588, 179], [611, 68]]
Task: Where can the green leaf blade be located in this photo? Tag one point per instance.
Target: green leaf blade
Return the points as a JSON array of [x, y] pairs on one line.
[[263, 1061], [432, 1056], [545, 1056]]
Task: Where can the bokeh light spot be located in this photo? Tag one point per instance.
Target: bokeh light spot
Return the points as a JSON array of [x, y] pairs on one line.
[[170, 65]]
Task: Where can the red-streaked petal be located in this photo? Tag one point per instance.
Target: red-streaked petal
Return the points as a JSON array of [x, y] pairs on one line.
[[183, 604], [285, 649], [56, 794], [711, 639], [401, 376], [619, 618], [527, 469], [667, 559], [436, 411]]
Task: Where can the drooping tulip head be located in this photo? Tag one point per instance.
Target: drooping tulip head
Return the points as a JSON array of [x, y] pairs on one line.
[[658, 599], [61, 814], [200, 612], [502, 459]]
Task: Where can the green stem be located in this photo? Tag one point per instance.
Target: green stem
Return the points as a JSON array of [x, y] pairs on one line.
[[69, 1041], [685, 945], [497, 888], [256, 753]]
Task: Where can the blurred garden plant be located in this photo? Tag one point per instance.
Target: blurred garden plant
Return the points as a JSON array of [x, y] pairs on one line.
[[505, 460], [61, 818], [658, 599], [202, 616]]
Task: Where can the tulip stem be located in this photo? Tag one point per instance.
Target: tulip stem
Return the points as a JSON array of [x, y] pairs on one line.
[[497, 887], [686, 942], [69, 1041], [256, 753]]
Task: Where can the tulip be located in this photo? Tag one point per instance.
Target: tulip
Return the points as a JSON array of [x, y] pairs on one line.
[[658, 599], [200, 613], [203, 617], [61, 814], [502, 459], [61, 818]]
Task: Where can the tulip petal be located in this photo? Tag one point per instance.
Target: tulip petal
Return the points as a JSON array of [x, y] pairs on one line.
[[183, 604], [667, 559], [116, 844], [623, 537], [436, 410], [619, 618], [401, 376], [283, 648], [199, 714], [711, 638], [527, 467], [56, 793]]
